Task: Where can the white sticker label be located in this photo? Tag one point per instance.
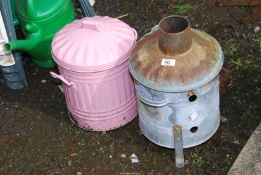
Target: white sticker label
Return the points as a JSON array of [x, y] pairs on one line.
[[168, 62]]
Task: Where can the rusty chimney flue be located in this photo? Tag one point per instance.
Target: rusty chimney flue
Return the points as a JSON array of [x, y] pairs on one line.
[[175, 35]]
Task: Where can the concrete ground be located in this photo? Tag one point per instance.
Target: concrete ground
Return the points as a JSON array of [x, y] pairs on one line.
[[249, 160]]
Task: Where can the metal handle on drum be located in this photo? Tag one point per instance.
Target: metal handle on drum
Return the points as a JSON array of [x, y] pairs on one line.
[[60, 77], [178, 142], [153, 103], [141, 93]]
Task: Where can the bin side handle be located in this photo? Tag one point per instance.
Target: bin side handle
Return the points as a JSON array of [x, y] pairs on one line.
[[60, 77]]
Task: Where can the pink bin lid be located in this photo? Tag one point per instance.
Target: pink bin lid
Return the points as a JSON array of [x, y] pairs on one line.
[[93, 44]]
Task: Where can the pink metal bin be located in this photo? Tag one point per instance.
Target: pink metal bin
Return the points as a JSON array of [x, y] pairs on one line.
[[92, 55]]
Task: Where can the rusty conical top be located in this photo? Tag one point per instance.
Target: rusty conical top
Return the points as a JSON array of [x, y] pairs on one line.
[[175, 58]]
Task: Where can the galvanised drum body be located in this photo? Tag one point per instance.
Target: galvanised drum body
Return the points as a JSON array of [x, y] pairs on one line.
[[176, 72], [199, 119], [92, 56]]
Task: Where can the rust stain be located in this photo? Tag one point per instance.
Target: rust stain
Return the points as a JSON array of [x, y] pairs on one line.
[[190, 67]]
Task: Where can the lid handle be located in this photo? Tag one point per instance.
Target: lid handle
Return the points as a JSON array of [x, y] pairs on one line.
[[93, 25]]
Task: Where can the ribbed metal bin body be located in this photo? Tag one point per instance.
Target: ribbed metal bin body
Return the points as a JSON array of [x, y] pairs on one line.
[[159, 111], [100, 101], [92, 55]]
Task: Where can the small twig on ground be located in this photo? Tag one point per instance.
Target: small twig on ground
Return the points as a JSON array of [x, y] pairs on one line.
[[122, 16], [169, 7]]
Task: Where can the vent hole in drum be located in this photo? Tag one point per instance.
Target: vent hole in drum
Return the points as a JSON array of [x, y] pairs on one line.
[[194, 129], [192, 98]]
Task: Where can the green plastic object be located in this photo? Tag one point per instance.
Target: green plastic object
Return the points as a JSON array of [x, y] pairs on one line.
[[15, 19], [40, 20]]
